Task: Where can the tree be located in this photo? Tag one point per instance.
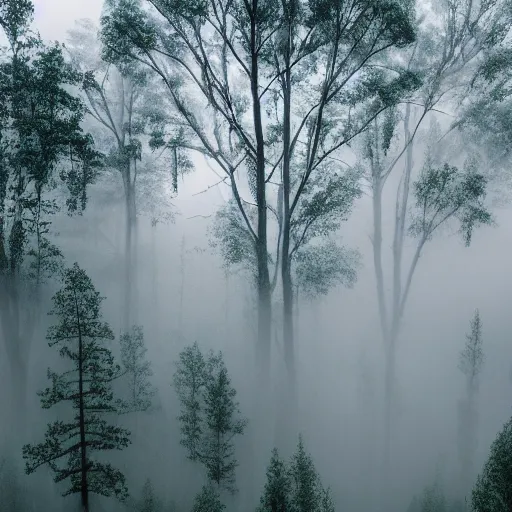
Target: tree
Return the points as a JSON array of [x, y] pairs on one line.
[[42, 147], [87, 387], [493, 489], [137, 370], [251, 58], [294, 487], [148, 501], [125, 103], [433, 499], [276, 494], [450, 40], [470, 364], [208, 500], [210, 417]]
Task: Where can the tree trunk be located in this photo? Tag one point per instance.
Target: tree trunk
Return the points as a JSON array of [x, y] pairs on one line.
[[84, 491], [130, 250], [289, 408]]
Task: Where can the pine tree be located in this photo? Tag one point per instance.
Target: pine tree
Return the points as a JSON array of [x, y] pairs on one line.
[[148, 502], [137, 370], [306, 488], [327, 503], [223, 422], [493, 489], [470, 364], [87, 387], [210, 417], [208, 500], [276, 495], [189, 380]]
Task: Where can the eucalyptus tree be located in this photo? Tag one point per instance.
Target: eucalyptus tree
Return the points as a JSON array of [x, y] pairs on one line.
[[451, 39], [87, 387], [234, 55], [42, 148], [125, 103], [470, 364]]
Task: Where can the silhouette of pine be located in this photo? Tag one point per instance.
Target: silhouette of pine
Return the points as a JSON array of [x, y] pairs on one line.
[[86, 387]]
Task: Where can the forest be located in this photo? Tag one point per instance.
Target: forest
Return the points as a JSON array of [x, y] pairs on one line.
[[253, 256]]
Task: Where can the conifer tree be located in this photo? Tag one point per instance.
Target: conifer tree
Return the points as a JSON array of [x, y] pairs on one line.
[[208, 500], [306, 487], [276, 495], [493, 489], [294, 487], [210, 417], [137, 370], [149, 501], [470, 364], [87, 388]]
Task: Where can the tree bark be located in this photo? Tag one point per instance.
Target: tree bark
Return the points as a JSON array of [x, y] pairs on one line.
[[130, 249], [84, 492], [289, 409]]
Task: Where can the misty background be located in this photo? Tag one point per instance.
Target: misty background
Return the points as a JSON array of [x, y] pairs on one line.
[[184, 294]]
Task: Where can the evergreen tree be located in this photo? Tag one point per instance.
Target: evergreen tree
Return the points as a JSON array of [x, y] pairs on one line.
[[470, 364], [223, 422], [189, 381], [210, 417], [306, 487], [208, 500], [276, 495], [433, 499], [137, 370], [493, 489], [327, 503], [87, 387], [148, 502], [294, 487]]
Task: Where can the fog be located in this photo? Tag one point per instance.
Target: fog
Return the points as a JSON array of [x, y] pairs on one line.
[[183, 293]]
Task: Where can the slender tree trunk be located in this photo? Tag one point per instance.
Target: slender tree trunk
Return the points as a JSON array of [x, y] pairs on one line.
[[130, 249], [182, 285], [289, 408], [84, 491], [264, 293]]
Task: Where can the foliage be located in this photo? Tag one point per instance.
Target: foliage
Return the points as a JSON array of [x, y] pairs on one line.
[[137, 370], [42, 144], [492, 491], [148, 501], [295, 486], [87, 387], [208, 500], [472, 357], [210, 417], [276, 494], [433, 499], [445, 193], [319, 267]]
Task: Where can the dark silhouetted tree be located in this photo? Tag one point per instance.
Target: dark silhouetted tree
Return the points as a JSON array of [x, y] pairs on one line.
[[87, 387]]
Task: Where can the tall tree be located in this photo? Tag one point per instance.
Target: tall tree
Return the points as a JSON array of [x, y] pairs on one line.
[[125, 103], [42, 146], [137, 371], [210, 418], [450, 40], [471, 361], [87, 387]]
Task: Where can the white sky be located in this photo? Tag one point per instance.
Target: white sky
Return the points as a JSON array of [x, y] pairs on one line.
[[53, 18]]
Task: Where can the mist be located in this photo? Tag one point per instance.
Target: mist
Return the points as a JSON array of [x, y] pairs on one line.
[[374, 395]]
